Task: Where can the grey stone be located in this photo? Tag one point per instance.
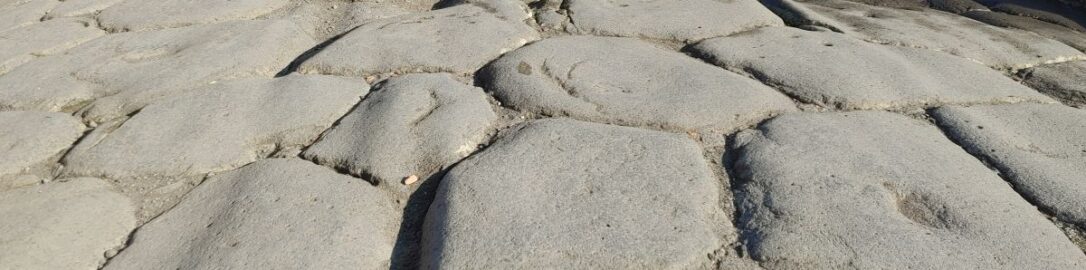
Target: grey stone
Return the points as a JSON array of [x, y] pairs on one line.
[[141, 15], [458, 39], [120, 73], [73, 8], [19, 13], [573, 195], [31, 138], [1038, 148], [272, 214], [1063, 80], [1066, 35], [832, 69], [62, 225], [956, 6], [681, 20], [1045, 10], [629, 82], [327, 19], [875, 190], [26, 43], [218, 128], [905, 4], [410, 125], [999, 48]]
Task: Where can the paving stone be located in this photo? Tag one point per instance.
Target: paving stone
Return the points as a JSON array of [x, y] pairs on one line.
[[573, 195], [629, 82], [956, 6], [31, 138], [141, 15], [73, 8], [999, 48], [327, 19], [218, 128], [832, 69], [1066, 35], [121, 73], [1063, 80], [1044, 10], [272, 214], [869, 190], [905, 4], [19, 13], [62, 225], [411, 125], [682, 20], [1038, 148], [26, 43], [457, 39]]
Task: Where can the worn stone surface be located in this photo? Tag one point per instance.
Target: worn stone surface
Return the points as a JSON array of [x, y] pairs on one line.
[[73, 8], [1063, 81], [1066, 35], [629, 82], [567, 194], [62, 225], [31, 138], [1045, 10], [877, 190], [221, 127], [19, 13], [996, 47], [683, 20], [26, 43], [140, 15], [277, 213], [832, 69], [458, 39], [1038, 148], [410, 125], [119, 74]]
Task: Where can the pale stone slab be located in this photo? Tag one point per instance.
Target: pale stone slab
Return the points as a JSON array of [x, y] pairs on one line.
[[63, 225], [19, 13], [272, 214], [30, 138], [1064, 81], [458, 39], [831, 69], [21, 45], [141, 15], [628, 82], [1039, 148], [218, 128], [120, 73], [876, 190], [680, 20], [563, 194], [73, 8], [411, 125]]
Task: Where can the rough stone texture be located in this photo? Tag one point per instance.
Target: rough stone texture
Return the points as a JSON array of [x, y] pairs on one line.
[[573, 195], [19, 13], [26, 43], [832, 69], [30, 138], [327, 19], [997, 47], [1066, 35], [1045, 10], [457, 39], [871, 190], [73, 8], [681, 20], [1038, 148], [956, 6], [272, 214], [62, 225], [905, 4], [1063, 81], [218, 128], [121, 73], [410, 125], [140, 15], [629, 82]]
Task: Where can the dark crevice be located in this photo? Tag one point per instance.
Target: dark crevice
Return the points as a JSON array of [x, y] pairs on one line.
[[305, 56]]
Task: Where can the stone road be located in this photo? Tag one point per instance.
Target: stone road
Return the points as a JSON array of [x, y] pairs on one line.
[[554, 134]]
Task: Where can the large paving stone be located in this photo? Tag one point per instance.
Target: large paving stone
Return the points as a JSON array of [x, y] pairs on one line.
[[19, 13], [930, 29], [140, 15], [26, 43], [682, 20], [832, 69], [1066, 35], [1038, 148], [629, 82], [31, 138], [72, 8], [1063, 80], [458, 39], [875, 190], [218, 128], [272, 214], [410, 125], [119, 74], [62, 225], [1045, 10], [573, 195]]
